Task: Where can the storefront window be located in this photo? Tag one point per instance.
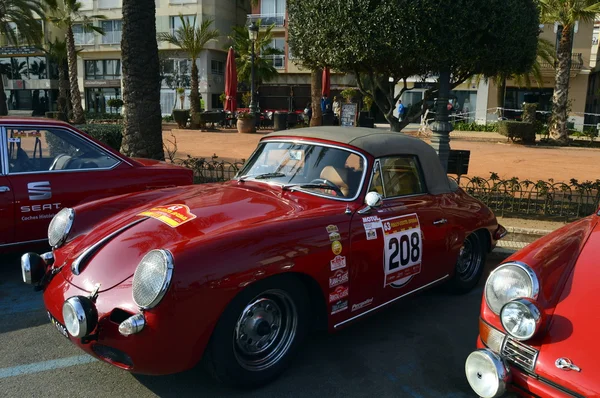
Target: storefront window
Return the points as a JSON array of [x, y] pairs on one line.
[[97, 98], [38, 68]]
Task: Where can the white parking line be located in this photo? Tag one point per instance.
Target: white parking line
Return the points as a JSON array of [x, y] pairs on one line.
[[45, 365]]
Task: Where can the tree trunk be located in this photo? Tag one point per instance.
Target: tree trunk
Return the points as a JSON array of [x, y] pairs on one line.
[[142, 132], [558, 125], [316, 82], [63, 88], [501, 94], [3, 104], [78, 115], [194, 95]]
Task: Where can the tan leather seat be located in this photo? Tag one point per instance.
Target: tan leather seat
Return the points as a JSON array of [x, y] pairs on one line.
[[338, 177]]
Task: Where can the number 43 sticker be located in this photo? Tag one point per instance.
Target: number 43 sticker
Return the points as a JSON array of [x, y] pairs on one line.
[[403, 249]]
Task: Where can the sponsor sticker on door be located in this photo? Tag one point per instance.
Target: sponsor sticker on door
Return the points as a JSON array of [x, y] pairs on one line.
[[339, 293], [403, 249], [172, 215], [340, 277], [338, 262], [340, 306]]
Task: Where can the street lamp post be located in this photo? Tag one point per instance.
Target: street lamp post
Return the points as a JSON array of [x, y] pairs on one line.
[[253, 33], [441, 128]]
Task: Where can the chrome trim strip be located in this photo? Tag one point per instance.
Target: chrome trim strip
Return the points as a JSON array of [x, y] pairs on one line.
[[308, 142], [391, 301], [24, 242], [3, 152], [66, 171], [96, 246]]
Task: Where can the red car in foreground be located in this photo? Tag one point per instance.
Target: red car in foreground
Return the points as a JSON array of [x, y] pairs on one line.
[[539, 319], [321, 227], [47, 165]]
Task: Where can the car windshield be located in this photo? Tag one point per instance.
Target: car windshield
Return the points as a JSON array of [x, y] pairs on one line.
[[322, 170]]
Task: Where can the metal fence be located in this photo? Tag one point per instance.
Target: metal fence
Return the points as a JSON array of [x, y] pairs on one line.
[[511, 198], [542, 198], [206, 171]]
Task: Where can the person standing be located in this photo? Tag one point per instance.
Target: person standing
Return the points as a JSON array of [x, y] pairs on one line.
[[324, 102], [337, 107], [308, 112], [401, 110]]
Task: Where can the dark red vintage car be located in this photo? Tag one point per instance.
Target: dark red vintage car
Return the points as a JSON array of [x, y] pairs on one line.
[[539, 319], [321, 227], [47, 165]]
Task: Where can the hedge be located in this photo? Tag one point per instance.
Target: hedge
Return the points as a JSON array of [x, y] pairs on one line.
[[109, 134], [517, 131], [464, 126]]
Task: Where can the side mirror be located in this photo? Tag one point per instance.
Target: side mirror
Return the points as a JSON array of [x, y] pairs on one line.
[[373, 200]]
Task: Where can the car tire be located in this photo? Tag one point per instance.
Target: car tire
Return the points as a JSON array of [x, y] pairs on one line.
[[470, 264], [247, 348]]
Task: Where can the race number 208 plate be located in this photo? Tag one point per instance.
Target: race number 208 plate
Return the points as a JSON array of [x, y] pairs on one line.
[[403, 249]]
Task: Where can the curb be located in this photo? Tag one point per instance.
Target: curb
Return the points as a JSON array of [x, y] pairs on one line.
[[528, 231], [501, 253]]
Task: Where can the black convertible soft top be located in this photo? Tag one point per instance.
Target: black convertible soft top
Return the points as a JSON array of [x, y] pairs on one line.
[[378, 144]]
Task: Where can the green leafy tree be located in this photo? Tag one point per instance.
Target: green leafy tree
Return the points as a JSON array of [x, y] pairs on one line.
[[19, 23], [67, 14], [429, 39], [142, 124], [263, 62], [192, 39], [566, 13]]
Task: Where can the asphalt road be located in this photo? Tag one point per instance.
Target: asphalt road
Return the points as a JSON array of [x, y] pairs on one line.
[[414, 348]]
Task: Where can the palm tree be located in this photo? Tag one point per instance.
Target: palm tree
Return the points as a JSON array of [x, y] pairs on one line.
[[65, 17], [263, 63], [192, 39], [57, 52], [17, 23], [566, 13], [142, 132]]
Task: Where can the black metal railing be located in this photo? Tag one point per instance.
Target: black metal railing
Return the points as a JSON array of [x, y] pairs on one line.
[[507, 198], [206, 171], [576, 62], [515, 198]]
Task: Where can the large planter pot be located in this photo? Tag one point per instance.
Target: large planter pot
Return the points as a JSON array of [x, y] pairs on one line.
[[181, 117], [246, 126]]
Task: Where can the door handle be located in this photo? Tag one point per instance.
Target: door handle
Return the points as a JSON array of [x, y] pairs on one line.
[[440, 221], [4, 189]]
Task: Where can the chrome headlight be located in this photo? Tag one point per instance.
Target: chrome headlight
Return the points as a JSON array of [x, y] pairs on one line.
[[60, 226], [152, 278], [487, 374], [521, 318], [80, 316], [508, 282]]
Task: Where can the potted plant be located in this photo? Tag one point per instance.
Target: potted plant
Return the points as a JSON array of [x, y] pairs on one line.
[[181, 116], [365, 119], [349, 94], [115, 103], [223, 99], [246, 123], [246, 99]]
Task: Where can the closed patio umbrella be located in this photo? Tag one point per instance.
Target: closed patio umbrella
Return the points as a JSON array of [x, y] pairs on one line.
[[326, 85], [230, 82]]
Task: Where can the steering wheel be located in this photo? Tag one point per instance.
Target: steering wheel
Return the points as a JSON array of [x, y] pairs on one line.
[[333, 186]]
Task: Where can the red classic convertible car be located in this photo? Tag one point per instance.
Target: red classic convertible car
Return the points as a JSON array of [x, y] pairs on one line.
[[539, 319], [321, 227], [47, 165]]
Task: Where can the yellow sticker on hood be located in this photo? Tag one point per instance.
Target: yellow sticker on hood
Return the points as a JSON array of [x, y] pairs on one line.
[[172, 215]]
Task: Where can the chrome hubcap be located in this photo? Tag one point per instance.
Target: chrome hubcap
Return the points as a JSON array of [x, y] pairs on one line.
[[265, 330]]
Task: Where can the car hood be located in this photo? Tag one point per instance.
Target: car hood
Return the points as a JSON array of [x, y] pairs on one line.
[[214, 209], [573, 329]]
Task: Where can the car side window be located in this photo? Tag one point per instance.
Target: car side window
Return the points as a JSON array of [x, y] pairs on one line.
[[398, 176], [33, 149]]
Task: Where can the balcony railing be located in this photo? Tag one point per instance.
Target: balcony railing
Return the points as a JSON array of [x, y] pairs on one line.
[[268, 19], [576, 63], [278, 60]]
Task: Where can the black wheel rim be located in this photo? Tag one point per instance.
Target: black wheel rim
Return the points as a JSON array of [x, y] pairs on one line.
[[470, 259]]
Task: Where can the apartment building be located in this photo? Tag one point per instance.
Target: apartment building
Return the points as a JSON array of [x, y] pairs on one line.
[[31, 81], [477, 99]]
